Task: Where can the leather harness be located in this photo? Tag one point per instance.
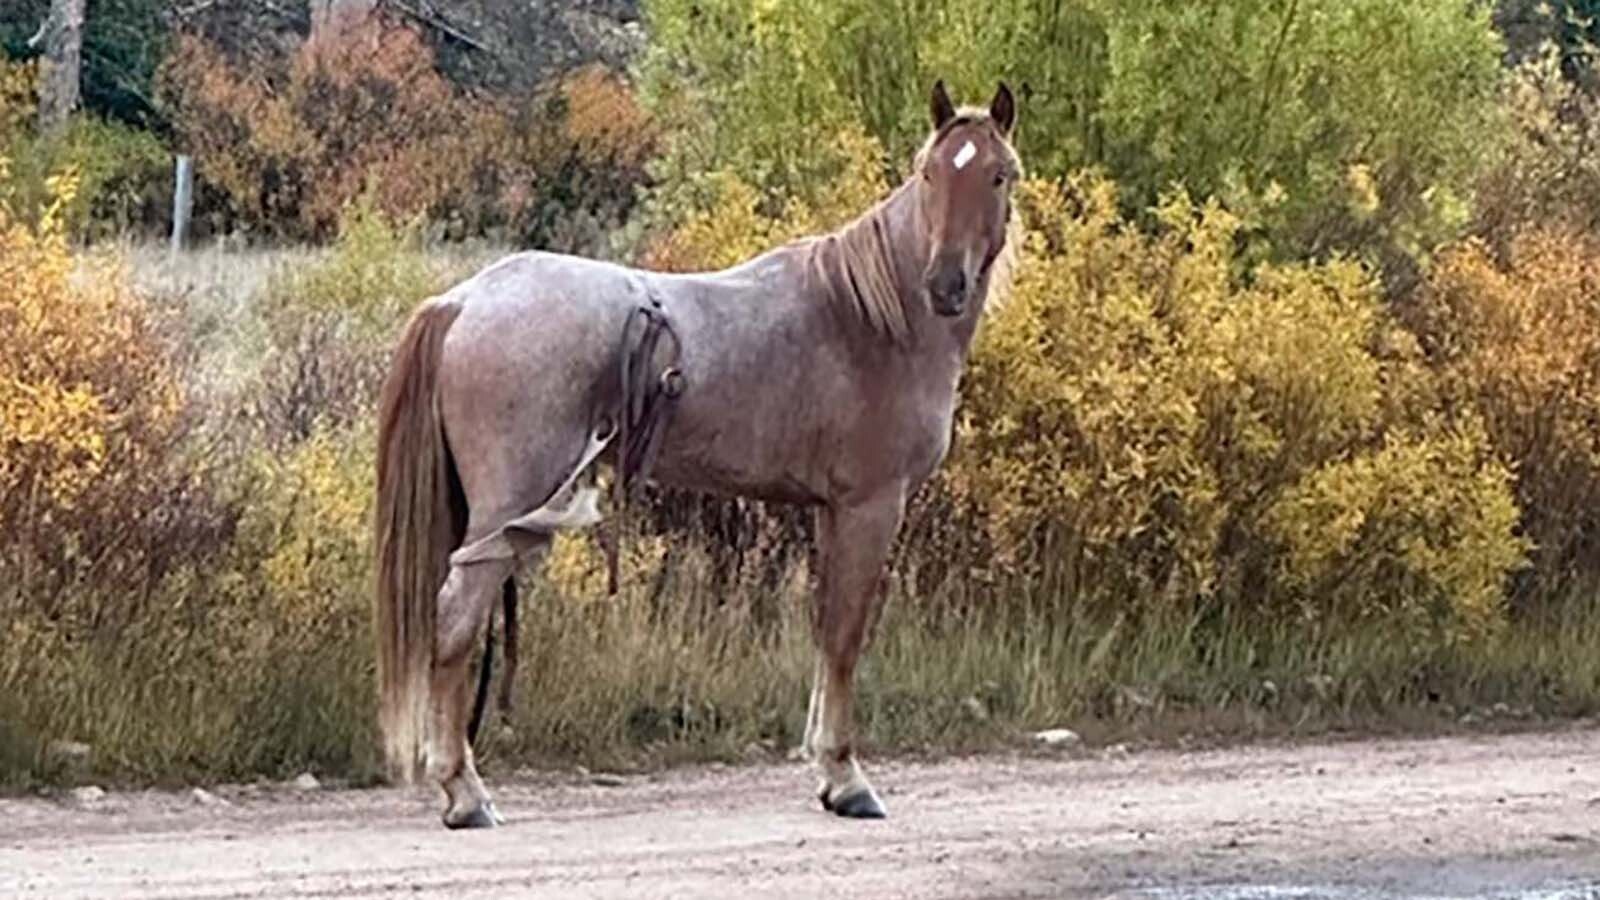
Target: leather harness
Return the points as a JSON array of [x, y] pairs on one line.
[[650, 385]]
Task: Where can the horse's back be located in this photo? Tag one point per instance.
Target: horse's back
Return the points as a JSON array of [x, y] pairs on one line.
[[543, 285], [542, 316]]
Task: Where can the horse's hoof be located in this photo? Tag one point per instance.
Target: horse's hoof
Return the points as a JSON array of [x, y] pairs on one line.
[[484, 815], [862, 804]]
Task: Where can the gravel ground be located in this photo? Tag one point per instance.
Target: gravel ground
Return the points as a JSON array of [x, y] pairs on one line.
[[1501, 816]]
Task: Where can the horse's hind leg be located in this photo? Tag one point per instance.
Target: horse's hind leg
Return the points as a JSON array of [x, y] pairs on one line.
[[465, 604], [508, 670], [854, 541]]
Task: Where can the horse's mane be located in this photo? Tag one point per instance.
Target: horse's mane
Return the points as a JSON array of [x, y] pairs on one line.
[[857, 264]]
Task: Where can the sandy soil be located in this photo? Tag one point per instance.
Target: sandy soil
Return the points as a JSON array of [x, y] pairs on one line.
[[1507, 816]]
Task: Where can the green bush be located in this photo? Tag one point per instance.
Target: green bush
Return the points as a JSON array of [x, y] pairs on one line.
[[1334, 124], [123, 174]]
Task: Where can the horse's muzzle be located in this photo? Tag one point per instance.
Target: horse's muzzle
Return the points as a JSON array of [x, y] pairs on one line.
[[947, 291]]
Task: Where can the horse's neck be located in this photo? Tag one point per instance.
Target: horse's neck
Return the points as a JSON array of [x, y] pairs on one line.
[[901, 317], [790, 280]]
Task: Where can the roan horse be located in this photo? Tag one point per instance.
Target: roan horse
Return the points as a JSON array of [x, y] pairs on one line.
[[823, 372]]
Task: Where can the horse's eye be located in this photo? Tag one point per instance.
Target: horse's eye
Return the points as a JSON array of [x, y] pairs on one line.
[[999, 179]]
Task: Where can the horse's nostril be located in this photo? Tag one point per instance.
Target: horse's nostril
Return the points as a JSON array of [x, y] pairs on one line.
[[948, 283]]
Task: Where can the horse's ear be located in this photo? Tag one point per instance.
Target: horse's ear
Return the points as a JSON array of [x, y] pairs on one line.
[[943, 110], [1003, 110]]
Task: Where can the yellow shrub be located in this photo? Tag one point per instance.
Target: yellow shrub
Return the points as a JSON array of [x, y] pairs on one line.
[[1518, 342], [1384, 532], [1083, 402], [89, 402], [303, 545], [1136, 412]]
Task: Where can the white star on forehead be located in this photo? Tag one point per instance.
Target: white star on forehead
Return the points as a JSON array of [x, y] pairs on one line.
[[964, 155]]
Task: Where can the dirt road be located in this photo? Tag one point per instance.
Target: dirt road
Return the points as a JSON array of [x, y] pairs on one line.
[[1510, 816]]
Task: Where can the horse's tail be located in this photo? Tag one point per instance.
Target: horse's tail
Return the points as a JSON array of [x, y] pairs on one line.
[[420, 517]]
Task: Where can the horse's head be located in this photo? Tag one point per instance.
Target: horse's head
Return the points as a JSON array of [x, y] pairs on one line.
[[967, 172]]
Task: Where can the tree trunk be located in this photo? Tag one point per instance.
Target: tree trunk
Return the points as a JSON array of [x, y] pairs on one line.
[[61, 66], [331, 19]]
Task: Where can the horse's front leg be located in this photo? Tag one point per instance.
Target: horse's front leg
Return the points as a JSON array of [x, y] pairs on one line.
[[853, 540], [464, 605]]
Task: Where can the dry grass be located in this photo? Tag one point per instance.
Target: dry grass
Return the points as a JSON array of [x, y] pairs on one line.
[[215, 289], [686, 673]]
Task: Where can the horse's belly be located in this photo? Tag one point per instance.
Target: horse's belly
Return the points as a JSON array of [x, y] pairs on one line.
[[693, 466]]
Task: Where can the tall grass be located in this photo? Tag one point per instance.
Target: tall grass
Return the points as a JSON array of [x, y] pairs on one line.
[[637, 680], [677, 671]]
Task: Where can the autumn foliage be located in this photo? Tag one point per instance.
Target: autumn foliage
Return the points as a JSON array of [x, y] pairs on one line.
[[1517, 341], [95, 401], [1146, 421], [100, 485], [121, 176], [290, 146]]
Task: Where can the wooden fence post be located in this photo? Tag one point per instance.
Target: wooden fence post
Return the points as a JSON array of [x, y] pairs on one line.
[[182, 201]]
